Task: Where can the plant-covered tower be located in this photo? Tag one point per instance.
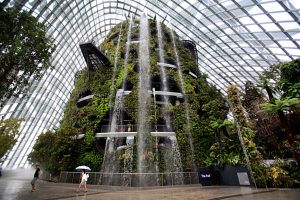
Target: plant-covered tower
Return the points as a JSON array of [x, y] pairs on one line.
[[140, 135], [146, 112]]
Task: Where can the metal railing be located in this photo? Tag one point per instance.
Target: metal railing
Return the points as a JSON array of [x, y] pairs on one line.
[[132, 128], [133, 179]]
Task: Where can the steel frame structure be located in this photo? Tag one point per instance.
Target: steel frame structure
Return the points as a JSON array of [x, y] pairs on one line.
[[235, 40]]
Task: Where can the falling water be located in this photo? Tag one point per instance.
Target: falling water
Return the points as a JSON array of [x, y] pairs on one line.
[[115, 67], [171, 155], [107, 159], [176, 161], [163, 76], [110, 162], [145, 154], [115, 116], [128, 160], [187, 115], [129, 140]]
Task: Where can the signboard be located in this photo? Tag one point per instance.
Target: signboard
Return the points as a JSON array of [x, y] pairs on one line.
[[243, 178]]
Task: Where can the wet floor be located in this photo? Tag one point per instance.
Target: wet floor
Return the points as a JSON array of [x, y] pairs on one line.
[[15, 185]]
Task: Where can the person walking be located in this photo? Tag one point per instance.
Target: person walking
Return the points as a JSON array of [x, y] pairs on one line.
[[35, 177], [83, 179]]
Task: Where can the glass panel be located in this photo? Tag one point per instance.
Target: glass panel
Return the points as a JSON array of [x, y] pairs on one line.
[[255, 10], [294, 3], [281, 17], [246, 20], [244, 3], [254, 28], [270, 27], [290, 26], [272, 7], [262, 18], [294, 52]]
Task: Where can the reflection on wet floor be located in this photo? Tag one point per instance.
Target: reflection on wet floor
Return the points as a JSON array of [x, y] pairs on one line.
[[14, 182], [81, 197], [15, 185]]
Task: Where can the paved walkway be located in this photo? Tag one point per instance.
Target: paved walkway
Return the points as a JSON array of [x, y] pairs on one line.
[[16, 186]]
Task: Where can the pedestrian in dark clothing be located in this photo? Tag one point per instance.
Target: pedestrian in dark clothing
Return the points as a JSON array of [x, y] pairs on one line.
[[35, 178]]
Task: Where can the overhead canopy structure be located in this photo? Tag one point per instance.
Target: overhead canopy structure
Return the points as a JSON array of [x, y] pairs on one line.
[[235, 41]]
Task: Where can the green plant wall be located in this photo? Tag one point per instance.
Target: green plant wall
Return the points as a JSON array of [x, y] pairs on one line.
[[205, 104]]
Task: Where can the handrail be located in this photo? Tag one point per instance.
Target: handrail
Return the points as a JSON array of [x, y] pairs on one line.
[[132, 179]]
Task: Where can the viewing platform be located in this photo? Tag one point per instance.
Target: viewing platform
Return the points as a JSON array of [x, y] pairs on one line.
[[77, 137], [166, 93], [162, 134], [127, 134], [85, 98], [115, 134], [167, 65], [134, 42], [121, 92], [193, 75], [129, 131]]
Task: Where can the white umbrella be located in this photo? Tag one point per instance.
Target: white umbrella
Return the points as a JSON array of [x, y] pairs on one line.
[[83, 167]]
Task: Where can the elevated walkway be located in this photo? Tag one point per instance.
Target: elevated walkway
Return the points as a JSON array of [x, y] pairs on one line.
[[162, 134], [126, 134], [121, 92], [115, 134], [192, 74], [129, 131], [166, 93], [134, 42], [85, 98], [167, 65], [93, 56], [77, 137]]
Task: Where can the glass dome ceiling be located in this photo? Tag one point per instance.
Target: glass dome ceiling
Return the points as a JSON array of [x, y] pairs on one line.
[[236, 40]]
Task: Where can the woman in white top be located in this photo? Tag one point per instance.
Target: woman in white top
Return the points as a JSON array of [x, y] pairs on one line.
[[83, 179]]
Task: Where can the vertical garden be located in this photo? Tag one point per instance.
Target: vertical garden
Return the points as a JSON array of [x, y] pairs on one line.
[[259, 123]]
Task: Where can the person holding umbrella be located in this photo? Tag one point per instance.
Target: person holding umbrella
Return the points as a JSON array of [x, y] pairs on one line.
[[83, 178]]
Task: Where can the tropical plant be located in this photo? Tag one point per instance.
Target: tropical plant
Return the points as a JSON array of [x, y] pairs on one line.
[[279, 177], [285, 104], [226, 151], [25, 51], [44, 151], [9, 129], [262, 123], [251, 152], [294, 90], [251, 98], [289, 77], [279, 106], [268, 85], [222, 126]]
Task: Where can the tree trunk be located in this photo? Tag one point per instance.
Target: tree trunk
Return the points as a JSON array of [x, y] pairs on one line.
[[269, 92], [285, 125]]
